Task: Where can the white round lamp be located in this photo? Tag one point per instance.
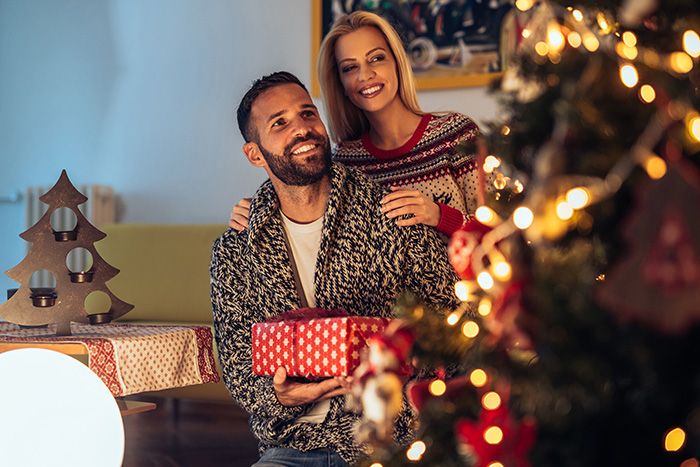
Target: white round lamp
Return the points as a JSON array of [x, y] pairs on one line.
[[54, 411]]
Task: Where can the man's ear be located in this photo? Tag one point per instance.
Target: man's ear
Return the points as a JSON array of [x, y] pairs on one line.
[[252, 152]]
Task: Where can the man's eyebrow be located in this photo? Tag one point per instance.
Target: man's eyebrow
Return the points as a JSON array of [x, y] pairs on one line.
[[276, 114], [367, 54]]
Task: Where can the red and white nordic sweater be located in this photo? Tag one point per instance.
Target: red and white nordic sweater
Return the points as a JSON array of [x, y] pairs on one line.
[[429, 161]]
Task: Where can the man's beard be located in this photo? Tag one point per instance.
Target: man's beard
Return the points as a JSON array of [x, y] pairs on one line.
[[291, 170]]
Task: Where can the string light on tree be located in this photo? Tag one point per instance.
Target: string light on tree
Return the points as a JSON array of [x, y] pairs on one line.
[[654, 166], [470, 329], [691, 43], [484, 307], [486, 216], [578, 197], [485, 280], [491, 400], [523, 217], [453, 318], [692, 123], [629, 75], [493, 435], [681, 62], [564, 210], [416, 451], [647, 93], [491, 163], [437, 387], [578, 16], [674, 440], [462, 290], [574, 39], [478, 378]]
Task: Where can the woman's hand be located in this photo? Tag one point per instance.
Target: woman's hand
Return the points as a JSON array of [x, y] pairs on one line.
[[403, 201], [239, 215]]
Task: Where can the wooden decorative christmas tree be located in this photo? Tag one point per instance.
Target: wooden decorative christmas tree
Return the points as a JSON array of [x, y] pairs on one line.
[[48, 251]]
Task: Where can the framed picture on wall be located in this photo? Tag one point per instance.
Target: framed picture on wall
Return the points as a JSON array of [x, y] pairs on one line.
[[451, 43]]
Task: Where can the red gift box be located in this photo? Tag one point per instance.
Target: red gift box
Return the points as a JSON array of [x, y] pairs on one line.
[[313, 347]]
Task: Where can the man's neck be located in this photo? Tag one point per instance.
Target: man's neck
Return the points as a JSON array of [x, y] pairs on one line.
[[303, 204]]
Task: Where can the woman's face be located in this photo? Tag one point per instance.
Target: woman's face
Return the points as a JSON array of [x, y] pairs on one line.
[[367, 69]]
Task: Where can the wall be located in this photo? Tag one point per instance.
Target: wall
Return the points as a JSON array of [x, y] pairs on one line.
[[141, 95]]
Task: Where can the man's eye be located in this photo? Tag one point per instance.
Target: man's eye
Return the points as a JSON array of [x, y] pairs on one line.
[[279, 122], [308, 114]]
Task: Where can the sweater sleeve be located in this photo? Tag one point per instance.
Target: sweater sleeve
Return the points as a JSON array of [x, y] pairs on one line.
[[451, 219], [232, 330], [428, 271]]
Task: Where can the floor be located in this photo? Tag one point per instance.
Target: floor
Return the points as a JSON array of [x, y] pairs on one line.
[[197, 434]]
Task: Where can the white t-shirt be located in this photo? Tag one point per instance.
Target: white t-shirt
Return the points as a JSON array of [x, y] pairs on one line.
[[305, 241]]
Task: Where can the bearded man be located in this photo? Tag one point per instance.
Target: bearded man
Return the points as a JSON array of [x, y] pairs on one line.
[[316, 238]]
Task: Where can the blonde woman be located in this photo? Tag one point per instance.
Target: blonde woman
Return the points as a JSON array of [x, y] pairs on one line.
[[374, 118]]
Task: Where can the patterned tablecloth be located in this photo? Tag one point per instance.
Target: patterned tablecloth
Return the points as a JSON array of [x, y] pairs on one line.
[[134, 358]]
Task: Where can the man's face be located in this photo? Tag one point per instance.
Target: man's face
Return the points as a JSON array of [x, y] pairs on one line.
[[291, 136]]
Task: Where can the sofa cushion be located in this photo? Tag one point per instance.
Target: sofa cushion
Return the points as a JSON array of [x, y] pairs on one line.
[[164, 269]]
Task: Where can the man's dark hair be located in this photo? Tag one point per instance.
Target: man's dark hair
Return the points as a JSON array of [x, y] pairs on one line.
[[259, 86]]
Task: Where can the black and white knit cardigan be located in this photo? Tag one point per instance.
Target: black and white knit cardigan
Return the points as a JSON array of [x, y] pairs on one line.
[[364, 261]]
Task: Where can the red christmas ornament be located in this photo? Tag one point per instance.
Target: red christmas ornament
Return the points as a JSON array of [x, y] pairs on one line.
[[497, 437], [462, 246], [502, 321]]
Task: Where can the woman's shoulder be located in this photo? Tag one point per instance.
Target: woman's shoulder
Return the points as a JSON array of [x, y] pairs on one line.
[[349, 149], [452, 120]]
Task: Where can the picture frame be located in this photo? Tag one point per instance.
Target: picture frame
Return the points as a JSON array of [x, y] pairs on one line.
[[452, 44]]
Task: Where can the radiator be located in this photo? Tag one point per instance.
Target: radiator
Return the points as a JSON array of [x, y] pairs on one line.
[[99, 209]]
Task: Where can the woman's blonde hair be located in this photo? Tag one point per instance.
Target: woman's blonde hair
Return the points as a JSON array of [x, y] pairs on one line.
[[347, 122]]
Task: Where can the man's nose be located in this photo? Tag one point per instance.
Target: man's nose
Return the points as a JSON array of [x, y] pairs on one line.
[[301, 127]]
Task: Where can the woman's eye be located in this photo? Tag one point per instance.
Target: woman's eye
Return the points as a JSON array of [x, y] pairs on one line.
[[347, 68], [377, 58]]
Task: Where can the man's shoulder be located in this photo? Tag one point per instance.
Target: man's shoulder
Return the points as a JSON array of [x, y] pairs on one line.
[[230, 244]]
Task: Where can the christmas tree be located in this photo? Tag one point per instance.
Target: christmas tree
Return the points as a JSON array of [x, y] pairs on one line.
[[49, 250], [578, 342]]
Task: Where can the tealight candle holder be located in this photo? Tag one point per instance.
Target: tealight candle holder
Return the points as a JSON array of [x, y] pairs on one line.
[[43, 297], [100, 318], [65, 235], [82, 276]]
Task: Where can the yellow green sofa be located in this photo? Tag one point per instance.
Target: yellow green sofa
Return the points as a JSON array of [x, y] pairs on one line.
[[165, 275]]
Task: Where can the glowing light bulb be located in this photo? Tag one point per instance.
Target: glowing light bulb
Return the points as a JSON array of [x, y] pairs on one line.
[[453, 318], [693, 125], [491, 163], [518, 186], [376, 464], [590, 42], [681, 62], [629, 38], [578, 197], [542, 48], [484, 280], [478, 377], [493, 435], [526, 33], [691, 43], [655, 167], [485, 215], [574, 39], [502, 270], [629, 75], [647, 93], [578, 16], [437, 387], [524, 5], [555, 38], [674, 439], [491, 400], [484, 306], [470, 329], [625, 51], [505, 130], [523, 217], [462, 290], [416, 451], [564, 210], [495, 464]]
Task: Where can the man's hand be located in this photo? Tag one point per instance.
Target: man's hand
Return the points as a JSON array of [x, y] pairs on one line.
[[292, 393]]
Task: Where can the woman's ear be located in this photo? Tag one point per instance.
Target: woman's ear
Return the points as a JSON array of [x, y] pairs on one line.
[[252, 152]]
